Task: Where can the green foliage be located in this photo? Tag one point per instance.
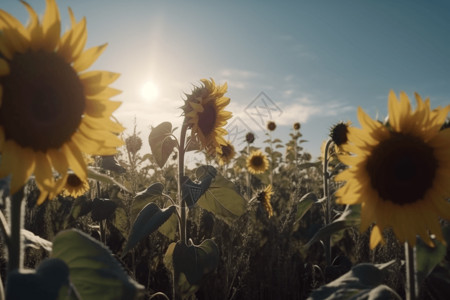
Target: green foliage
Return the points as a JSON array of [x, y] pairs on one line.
[[95, 175], [364, 281], [350, 217], [304, 204], [221, 198], [43, 284], [94, 272], [191, 262], [162, 142], [148, 220]]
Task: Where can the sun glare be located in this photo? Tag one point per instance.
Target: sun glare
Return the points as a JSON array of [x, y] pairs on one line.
[[149, 91]]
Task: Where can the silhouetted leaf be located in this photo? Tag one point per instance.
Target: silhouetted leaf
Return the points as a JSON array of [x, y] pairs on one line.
[[94, 271], [148, 220], [191, 263], [162, 142], [102, 209], [150, 194], [304, 204], [192, 191]]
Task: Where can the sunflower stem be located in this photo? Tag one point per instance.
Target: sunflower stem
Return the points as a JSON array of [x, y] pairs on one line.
[[326, 193], [15, 255], [249, 195], [411, 286], [181, 153]]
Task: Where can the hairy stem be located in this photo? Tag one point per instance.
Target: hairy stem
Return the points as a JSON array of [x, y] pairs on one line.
[[411, 286], [15, 251], [326, 194]]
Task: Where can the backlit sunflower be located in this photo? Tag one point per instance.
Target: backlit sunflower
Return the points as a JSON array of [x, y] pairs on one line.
[[226, 153], [264, 197], [257, 162], [51, 110], [399, 172], [75, 187], [205, 115]]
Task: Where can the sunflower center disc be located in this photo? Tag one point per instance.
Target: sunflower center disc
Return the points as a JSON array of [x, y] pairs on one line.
[[43, 101], [257, 161], [207, 119], [402, 169]]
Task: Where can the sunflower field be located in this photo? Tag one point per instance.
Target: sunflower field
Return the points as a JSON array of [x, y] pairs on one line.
[[87, 213]]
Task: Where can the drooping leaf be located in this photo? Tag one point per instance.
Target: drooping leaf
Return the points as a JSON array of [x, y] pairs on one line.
[[350, 217], [35, 241], [102, 209], [191, 263], [304, 204], [94, 174], [94, 271], [221, 198], [148, 220], [150, 194], [44, 283], [109, 162], [427, 258], [162, 142], [363, 281]]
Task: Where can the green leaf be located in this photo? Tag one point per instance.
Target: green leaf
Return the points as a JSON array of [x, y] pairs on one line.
[[317, 164], [94, 272], [192, 191], [151, 194], [350, 217], [438, 282], [170, 227], [148, 220], [93, 174], [363, 281], [221, 198], [191, 263], [162, 142], [304, 205], [429, 257]]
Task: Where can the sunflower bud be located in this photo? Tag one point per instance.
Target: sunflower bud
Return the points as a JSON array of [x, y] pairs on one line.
[[339, 133], [250, 137], [271, 125], [134, 144], [296, 126]]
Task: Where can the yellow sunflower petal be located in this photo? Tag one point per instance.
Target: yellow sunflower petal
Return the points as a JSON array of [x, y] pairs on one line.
[[23, 164], [376, 237], [101, 108], [34, 28], [4, 67], [51, 26], [88, 57], [58, 160], [43, 171], [96, 81], [75, 160]]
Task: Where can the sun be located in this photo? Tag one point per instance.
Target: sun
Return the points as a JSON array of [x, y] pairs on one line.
[[149, 91]]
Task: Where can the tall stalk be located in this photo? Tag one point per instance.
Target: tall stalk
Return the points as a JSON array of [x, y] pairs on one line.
[[326, 194], [181, 152], [411, 286], [15, 250]]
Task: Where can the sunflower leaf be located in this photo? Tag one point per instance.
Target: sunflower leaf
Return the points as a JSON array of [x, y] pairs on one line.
[[142, 198], [94, 271], [427, 258], [192, 191], [149, 219], [363, 281], [221, 198], [162, 142], [304, 204], [191, 263], [93, 174], [350, 217]]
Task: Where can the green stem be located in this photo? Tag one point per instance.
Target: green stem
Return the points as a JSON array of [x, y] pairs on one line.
[[15, 255], [326, 193], [411, 286], [249, 195], [181, 153]]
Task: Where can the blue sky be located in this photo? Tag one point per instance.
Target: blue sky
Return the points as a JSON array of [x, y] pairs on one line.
[[317, 61]]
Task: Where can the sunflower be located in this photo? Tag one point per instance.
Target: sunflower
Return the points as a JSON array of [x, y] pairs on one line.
[[75, 187], [271, 125], [339, 132], [264, 197], [205, 115], [226, 153], [51, 110], [257, 162], [399, 172]]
